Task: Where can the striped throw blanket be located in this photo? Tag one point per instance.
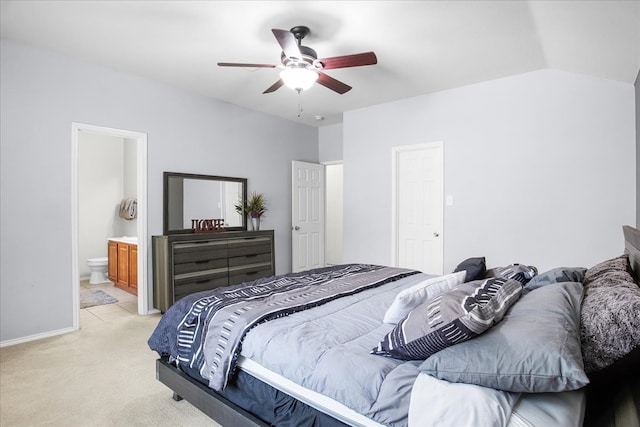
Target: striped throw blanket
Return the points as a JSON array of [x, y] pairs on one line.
[[210, 334]]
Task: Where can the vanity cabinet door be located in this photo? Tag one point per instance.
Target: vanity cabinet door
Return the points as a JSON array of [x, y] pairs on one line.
[[123, 265], [133, 269], [112, 253]]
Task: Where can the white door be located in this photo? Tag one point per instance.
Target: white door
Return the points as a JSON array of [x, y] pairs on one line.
[[419, 206], [307, 230]]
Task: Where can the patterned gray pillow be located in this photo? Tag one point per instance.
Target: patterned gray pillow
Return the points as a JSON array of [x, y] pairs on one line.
[[610, 323], [521, 273], [453, 317]]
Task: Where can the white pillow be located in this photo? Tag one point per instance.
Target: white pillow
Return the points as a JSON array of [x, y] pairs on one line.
[[408, 299]]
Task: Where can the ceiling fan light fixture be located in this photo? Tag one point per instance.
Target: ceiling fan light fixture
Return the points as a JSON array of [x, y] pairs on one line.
[[298, 78]]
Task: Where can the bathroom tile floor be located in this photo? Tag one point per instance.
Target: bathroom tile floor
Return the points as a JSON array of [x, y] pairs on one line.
[[126, 306]]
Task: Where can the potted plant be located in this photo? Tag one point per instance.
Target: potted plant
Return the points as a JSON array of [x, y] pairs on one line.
[[255, 207]]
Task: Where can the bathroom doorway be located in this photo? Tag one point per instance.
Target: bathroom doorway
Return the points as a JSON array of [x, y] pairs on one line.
[[135, 163]]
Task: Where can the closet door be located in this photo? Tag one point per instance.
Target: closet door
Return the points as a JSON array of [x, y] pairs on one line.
[[419, 207]]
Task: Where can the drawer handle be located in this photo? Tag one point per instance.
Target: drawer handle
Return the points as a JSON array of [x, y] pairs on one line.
[[202, 261], [248, 273], [199, 282], [251, 255]]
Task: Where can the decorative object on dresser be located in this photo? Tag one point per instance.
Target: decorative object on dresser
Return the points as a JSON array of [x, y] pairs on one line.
[[187, 263], [207, 225], [254, 207]]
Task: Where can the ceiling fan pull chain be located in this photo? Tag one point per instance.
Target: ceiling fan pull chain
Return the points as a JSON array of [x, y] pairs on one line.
[[299, 102]]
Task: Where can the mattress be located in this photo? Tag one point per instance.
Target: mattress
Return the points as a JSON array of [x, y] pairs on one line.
[[531, 410]]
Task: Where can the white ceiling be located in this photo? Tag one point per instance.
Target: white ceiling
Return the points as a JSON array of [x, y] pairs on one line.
[[422, 46]]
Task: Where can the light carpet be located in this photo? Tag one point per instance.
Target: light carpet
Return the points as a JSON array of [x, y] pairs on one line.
[[102, 375], [92, 298]]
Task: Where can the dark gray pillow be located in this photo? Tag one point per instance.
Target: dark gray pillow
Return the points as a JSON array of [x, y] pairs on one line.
[[610, 319], [476, 268], [556, 275], [535, 349], [450, 318]]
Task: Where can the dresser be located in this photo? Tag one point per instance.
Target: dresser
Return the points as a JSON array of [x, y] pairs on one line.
[[188, 263]]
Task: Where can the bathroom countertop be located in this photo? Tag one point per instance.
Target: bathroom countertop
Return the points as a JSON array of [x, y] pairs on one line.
[[125, 239]]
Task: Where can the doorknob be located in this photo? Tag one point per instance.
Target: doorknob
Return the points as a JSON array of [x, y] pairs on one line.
[[295, 228], [436, 235]]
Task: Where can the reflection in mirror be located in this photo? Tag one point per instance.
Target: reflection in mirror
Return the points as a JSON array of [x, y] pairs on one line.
[[191, 197]]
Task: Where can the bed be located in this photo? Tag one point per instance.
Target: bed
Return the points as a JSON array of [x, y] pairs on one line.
[[369, 345]]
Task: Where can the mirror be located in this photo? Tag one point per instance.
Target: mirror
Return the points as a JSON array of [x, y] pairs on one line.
[[190, 197]]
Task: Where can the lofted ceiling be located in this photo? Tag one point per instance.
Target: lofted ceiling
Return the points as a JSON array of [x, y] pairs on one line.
[[422, 46]]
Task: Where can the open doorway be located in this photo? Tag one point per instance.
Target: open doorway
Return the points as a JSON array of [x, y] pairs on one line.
[[139, 141], [334, 213]]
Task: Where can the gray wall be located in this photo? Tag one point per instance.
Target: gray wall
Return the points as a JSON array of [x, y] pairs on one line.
[[541, 167], [42, 94], [330, 143]]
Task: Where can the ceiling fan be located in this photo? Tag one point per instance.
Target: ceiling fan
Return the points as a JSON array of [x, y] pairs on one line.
[[302, 68]]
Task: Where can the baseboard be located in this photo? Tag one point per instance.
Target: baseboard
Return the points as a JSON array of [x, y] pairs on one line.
[[35, 337]]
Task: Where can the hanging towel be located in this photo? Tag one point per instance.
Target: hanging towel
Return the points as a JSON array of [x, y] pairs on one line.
[[128, 208]]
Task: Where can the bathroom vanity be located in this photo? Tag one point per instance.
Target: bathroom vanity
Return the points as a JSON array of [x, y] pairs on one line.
[[123, 263], [187, 263]]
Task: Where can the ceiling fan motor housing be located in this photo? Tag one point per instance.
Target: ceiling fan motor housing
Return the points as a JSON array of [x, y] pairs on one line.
[[309, 56]]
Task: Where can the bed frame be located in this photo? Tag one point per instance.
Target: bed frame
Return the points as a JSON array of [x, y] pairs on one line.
[[615, 407], [225, 412]]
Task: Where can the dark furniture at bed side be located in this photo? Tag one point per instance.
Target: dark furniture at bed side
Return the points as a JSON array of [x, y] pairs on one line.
[[632, 247], [187, 263]]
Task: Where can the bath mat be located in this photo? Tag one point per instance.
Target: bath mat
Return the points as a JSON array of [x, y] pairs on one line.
[[95, 297]]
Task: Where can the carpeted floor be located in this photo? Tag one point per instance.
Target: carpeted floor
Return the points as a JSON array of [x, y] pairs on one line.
[[92, 298], [102, 375]]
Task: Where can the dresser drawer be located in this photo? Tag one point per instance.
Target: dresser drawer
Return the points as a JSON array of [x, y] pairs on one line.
[[199, 251], [249, 272], [202, 265], [249, 246], [189, 283], [238, 261]]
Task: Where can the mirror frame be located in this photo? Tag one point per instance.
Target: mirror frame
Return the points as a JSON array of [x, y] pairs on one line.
[[165, 199]]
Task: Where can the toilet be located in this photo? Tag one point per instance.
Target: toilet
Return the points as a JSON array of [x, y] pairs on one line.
[[98, 267]]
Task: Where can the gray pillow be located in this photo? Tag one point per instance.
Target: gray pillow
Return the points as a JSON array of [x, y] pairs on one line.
[[610, 327], [450, 318], [535, 349], [556, 275]]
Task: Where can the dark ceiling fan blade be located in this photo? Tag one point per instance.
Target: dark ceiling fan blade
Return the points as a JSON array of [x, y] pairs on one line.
[[287, 42], [274, 86], [239, 64], [333, 84], [356, 60]]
